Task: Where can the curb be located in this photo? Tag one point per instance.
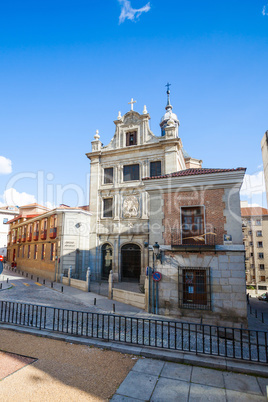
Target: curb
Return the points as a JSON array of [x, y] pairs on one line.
[[217, 362]]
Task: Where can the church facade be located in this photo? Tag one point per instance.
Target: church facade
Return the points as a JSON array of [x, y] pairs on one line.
[[118, 200], [145, 190]]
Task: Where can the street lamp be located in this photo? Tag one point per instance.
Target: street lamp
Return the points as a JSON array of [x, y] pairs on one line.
[[157, 252]]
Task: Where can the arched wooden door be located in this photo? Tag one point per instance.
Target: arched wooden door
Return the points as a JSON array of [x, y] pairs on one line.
[[131, 262]]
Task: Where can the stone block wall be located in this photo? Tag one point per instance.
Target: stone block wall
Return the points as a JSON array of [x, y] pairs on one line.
[[227, 280]]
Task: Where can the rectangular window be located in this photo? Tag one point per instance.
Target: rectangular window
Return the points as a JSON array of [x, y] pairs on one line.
[[251, 254], [131, 172], [262, 287], [108, 208], [263, 278], [23, 251], [259, 233], [262, 266], [43, 252], [108, 175], [258, 222], [29, 251], [5, 220], [155, 169], [250, 232], [131, 138], [192, 220], [194, 288], [260, 255], [260, 244], [251, 243], [35, 251], [52, 252], [252, 266]]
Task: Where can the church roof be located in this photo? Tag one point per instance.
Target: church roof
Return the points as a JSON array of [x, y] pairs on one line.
[[194, 172]]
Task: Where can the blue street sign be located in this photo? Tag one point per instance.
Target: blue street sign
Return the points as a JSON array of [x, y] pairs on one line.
[[157, 276], [1, 267]]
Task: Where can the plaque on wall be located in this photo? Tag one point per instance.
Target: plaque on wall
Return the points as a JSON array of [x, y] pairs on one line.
[[131, 207]]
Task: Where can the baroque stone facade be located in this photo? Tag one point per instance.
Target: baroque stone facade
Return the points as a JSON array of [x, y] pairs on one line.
[[118, 200]]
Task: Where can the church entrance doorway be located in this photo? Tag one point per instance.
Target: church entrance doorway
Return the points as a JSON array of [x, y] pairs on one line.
[[131, 262], [106, 260]]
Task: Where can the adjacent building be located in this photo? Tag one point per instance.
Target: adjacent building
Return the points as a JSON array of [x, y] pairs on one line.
[[48, 242], [255, 238], [264, 149], [6, 214]]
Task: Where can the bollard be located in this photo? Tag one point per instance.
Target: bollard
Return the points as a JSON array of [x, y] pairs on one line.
[[44, 282], [113, 308], [62, 289], [7, 280], [26, 274], [32, 277], [262, 319], [22, 273], [37, 279], [95, 301], [256, 313], [52, 284], [0, 285]]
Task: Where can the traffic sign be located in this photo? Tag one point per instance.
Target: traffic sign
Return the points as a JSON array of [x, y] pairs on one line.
[[157, 276], [1, 267]]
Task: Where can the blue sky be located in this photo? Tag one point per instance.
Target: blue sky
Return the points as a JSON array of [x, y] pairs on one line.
[[68, 67]]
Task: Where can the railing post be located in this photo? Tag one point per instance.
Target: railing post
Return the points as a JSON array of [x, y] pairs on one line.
[[146, 290], [110, 293], [70, 275], [88, 279]]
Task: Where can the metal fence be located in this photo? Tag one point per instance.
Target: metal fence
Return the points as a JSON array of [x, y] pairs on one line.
[[177, 336]]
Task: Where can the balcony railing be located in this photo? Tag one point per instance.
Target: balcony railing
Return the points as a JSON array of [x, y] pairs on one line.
[[29, 237], [35, 235], [14, 240], [204, 240], [43, 234], [23, 238], [53, 233]]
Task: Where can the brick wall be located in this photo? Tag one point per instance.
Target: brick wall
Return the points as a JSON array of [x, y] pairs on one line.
[[214, 210]]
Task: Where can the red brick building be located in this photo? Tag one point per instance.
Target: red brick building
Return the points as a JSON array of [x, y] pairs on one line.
[[195, 217]]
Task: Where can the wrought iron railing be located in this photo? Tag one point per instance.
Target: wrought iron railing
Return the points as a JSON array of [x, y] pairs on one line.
[[196, 338], [195, 240]]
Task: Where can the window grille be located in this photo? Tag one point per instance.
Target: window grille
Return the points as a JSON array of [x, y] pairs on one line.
[[194, 288]]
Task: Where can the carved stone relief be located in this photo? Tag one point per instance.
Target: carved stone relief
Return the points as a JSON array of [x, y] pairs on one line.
[[131, 207]]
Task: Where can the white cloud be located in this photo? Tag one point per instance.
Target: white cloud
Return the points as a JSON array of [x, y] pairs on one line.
[[253, 184], [127, 12], [5, 165], [265, 10], [13, 197]]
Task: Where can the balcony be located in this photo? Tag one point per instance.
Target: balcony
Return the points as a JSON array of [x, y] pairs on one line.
[[43, 234], [35, 235], [207, 241], [53, 233], [29, 237], [14, 240], [23, 238]]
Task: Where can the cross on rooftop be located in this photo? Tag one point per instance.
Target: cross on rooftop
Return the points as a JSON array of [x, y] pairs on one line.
[[132, 103], [168, 85]]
